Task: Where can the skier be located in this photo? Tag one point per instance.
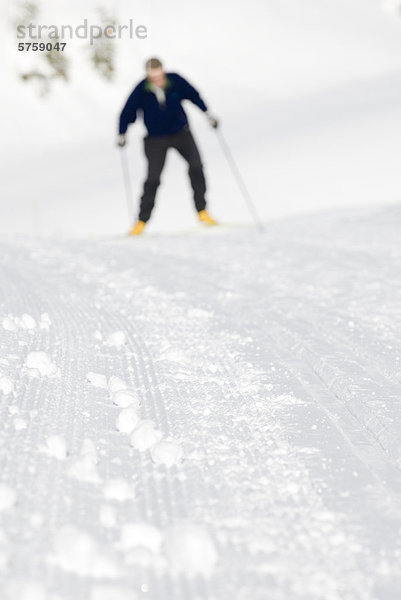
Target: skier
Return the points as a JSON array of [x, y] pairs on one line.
[[159, 97]]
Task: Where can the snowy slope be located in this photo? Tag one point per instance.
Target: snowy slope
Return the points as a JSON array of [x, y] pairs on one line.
[[308, 94], [270, 362]]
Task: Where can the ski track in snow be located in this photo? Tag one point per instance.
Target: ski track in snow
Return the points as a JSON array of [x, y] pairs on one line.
[[270, 366]]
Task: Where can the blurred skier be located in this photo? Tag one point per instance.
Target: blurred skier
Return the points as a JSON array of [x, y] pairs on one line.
[[159, 97]]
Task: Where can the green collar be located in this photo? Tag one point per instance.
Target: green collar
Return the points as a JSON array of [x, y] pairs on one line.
[[148, 85]]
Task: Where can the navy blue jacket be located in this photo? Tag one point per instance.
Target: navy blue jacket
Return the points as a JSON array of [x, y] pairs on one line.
[[165, 119]]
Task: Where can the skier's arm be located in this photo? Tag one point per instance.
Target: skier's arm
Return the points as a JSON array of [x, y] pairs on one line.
[[128, 114], [190, 93]]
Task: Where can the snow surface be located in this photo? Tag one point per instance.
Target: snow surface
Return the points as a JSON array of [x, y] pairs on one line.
[[262, 454]]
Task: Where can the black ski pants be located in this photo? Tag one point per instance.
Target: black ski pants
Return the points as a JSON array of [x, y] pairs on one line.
[[155, 151]]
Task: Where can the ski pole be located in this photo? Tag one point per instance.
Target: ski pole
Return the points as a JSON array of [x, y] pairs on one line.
[[237, 175], [127, 185]]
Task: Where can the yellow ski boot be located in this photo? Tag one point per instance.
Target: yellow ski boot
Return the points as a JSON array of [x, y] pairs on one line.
[[138, 228], [205, 218]]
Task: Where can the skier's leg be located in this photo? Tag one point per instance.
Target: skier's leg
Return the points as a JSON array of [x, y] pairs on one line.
[[186, 146], [155, 151]]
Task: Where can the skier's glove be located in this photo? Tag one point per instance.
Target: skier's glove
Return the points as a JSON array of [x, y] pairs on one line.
[[121, 141], [213, 122]]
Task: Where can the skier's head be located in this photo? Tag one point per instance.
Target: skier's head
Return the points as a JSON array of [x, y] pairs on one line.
[[155, 72]]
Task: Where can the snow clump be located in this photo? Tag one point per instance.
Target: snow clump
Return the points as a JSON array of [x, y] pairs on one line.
[[25, 322], [55, 447], [127, 420], [119, 490], [6, 385], [83, 467], [125, 398], [167, 453], [20, 424], [116, 339], [116, 384], [40, 362], [145, 435], [97, 380]]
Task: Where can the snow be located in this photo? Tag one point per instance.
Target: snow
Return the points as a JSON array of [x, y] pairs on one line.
[[126, 398], [20, 424], [127, 420], [83, 466], [29, 590], [116, 339], [111, 593], [36, 520], [210, 414], [119, 490], [9, 324], [3, 560], [143, 535], [45, 321], [167, 453], [107, 516], [266, 445], [6, 385], [77, 552], [145, 435], [116, 384], [97, 380], [55, 447], [88, 451], [392, 5], [190, 550], [40, 362], [8, 497], [25, 322]]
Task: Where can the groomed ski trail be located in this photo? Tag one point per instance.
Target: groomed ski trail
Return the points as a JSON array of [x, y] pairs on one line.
[[271, 359]]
